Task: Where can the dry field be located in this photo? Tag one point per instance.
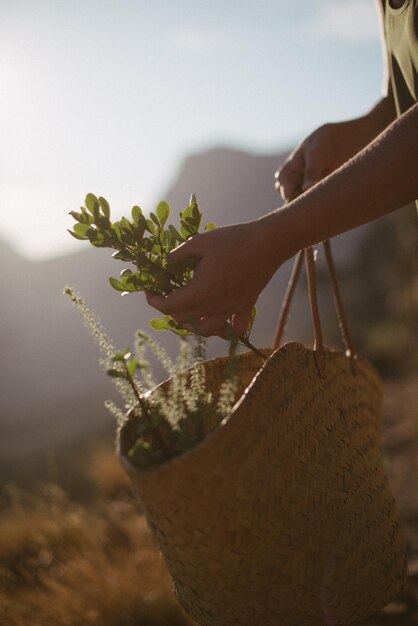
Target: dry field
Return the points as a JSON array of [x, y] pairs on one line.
[[63, 563]]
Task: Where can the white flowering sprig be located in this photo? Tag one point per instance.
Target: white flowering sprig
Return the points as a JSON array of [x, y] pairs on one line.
[[163, 422]]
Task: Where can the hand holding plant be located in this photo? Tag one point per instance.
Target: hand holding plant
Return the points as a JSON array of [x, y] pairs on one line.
[[151, 246], [233, 267], [145, 243], [163, 420]]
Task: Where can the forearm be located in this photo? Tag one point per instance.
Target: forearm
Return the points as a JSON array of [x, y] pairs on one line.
[[331, 145], [362, 130], [381, 178], [380, 116]]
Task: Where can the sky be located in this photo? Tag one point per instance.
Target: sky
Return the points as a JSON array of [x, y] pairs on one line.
[[110, 96]]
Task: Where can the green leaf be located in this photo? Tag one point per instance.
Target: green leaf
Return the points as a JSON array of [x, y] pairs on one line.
[[86, 218], [169, 242], [210, 226], [91, 201], [132, 366], [197, 216], [82, 229], [105, 206], [157, 272], [252, 320], [128, 284], [163, 212], [138, 233], [133, 280], [116, 284], [150, 243], [125, 224], [155, 219], [181, 331], [96, 212], [150, 227], [175, 234], [121, 356], [159, 324], [187, 213], [103, 223], [173, 230], [98, 240], [186, 230], [175, 327], [141, 454], [122, 255], [193, 200], [136, 213], [75, 215], [117, 231], [76, 236], [114, 373]]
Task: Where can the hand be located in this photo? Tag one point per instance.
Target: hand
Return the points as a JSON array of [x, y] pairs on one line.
[[235, 264], [319, 154]]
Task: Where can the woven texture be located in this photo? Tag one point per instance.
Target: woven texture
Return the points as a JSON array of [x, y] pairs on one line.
[[282, 515]]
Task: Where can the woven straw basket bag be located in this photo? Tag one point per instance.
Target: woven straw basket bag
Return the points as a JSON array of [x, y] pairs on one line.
[[283, 514]]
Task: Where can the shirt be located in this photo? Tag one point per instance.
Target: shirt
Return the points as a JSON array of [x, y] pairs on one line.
[[401, 35]]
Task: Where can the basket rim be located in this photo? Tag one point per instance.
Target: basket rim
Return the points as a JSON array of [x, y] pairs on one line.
[[168, 465]]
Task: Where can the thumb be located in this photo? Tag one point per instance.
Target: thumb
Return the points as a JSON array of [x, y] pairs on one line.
[[189, 249], [313, 172], [310, 176], [241, 321]]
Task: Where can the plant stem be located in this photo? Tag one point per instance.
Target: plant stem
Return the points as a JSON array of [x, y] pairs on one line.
[[145, 411], [250, 346]]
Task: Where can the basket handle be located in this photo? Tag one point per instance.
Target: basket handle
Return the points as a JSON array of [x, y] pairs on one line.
[[308, 254]]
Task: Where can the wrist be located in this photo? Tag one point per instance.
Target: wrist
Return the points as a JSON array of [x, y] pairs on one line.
[[279, 235], [381, 115]]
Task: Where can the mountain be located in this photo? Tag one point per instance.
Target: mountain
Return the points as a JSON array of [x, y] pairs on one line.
[[51, 386]]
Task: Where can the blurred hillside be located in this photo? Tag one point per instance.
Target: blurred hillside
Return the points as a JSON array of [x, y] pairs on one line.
[[52, 388]]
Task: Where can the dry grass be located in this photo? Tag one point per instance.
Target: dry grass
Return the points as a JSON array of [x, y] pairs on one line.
[[107, 474], [62, 564]]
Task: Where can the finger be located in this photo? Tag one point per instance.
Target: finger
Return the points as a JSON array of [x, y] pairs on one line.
[[289, 178], [290, 193], [209, 326], [314, 169], [186, 303], [181, 300], [290, 182], [313, 178], [189, 249], [241, 321], [295, 162]]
